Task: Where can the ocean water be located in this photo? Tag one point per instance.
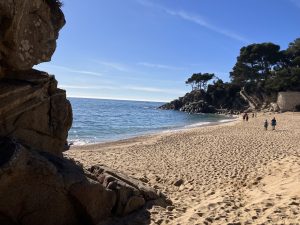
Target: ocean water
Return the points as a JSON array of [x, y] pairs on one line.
[[97, 120]]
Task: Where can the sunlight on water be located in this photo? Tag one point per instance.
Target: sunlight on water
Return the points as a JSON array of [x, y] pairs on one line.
[[97, 120]]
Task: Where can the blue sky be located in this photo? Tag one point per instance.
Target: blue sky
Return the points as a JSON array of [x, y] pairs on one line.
[[146, 49]]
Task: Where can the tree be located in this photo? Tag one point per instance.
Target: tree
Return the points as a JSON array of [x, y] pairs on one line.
[[199, 81], [255, 62], [287, 77], [293, 53]]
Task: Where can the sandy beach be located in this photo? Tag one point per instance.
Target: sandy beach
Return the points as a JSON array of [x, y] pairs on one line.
[[234, 173]]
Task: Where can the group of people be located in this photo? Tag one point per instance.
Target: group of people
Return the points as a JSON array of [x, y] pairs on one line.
[[246, 116], [273, 124], [266, 123]]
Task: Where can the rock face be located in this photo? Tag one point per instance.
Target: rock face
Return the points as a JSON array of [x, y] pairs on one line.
[[39, 188], [29, 29], [131, 194], [288, 101], [199, 101], [34, 111], [37, 184]]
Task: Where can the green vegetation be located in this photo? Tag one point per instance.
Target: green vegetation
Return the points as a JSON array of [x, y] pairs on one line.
[[198, 81], [265, 66], [260, 72], [262, 67]]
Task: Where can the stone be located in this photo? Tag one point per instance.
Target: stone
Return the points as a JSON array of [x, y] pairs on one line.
[[131, 193], [29, 30], [37, 184], [134, 203], [34, 111], [287, 101], [178, 183], [40, 188]]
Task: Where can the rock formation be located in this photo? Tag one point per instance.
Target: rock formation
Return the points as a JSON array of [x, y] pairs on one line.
[[37, 184], [34, 111], [29, 29], [211, 101], [40, 188], [288, 101]]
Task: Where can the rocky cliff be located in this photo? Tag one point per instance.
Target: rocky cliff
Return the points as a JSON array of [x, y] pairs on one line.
[[34, 111], [37, 184], [222, 99]]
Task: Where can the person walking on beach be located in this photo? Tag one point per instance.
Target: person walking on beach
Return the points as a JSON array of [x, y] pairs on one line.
[[247, 117], [244, 116], [266, 124], [273, 123]]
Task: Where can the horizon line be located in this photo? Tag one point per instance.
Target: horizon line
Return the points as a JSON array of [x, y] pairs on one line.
[[118, 99]]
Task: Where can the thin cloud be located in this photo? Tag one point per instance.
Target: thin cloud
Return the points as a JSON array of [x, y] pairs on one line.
[[155, 90], [113, 65], [159, 66], [78, 71], [197, 19]]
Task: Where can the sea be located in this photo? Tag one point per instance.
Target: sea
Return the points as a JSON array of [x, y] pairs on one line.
[[98, 120]]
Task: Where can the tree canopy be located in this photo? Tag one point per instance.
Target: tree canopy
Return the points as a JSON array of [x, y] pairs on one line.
[[262, 68], [198, 81], [269, 67], [255, 62]]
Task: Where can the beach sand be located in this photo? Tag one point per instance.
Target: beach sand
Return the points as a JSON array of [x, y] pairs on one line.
[[234, 173]]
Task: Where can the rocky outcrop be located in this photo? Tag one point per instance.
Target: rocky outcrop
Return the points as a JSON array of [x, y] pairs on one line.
[[131, 194], [193, 102], [34, 111], [211, 101], [37, 184], [29, 29], [288, 101], [32, 108], [40, 188]]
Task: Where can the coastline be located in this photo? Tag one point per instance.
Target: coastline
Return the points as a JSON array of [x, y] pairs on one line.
[[155, 133], [233, 172]]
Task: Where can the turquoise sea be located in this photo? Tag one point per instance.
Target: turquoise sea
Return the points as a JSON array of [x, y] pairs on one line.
[[97, 120]]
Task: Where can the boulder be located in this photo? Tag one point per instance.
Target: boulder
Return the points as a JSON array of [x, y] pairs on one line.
[[29, 29], [40, 188], [131, 193], [34, 111]]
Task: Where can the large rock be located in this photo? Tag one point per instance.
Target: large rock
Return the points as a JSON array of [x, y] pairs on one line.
[[37, 185], [132, 194], [39, 188], [28, 33], [34, 111]]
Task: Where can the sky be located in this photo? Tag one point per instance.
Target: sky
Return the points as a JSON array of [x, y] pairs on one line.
[[146, 49]]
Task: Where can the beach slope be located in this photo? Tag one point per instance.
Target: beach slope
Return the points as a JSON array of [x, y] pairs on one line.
[[235, 173]]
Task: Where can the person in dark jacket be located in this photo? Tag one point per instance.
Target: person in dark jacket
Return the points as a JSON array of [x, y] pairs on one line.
[[273, 123], [266, 124]]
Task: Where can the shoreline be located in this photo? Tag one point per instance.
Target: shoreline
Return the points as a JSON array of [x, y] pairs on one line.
[[159, 132], [229, 173], [156, 133]]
